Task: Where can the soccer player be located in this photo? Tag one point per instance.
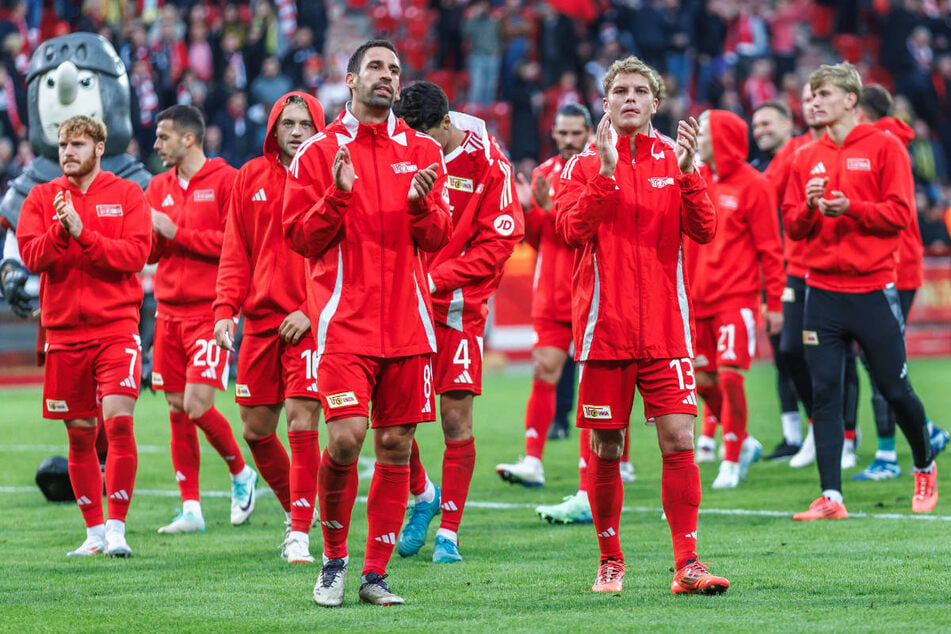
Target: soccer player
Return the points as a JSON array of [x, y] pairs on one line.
[[848, 200], [189, 206], [87, 234], [875, 107], [772, 127], [732, 271], [487, 224], [363, 199], [263, 278], [551, 296], [626, 207]]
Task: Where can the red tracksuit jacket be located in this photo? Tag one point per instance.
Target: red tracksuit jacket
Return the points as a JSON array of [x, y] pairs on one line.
[[629, 290], [551, 292], [487, 224], [778, 174], [88, 287], [911, 252], [259, 274], [367, 287], [746, 255], [188, 265], [857, 252]]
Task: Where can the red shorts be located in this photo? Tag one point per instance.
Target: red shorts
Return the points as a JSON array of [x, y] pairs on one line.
[[727, 338], [551, 333], [400, 388], [606, 393], [458, 362], [185, 352], [76, 374], [271, 369]]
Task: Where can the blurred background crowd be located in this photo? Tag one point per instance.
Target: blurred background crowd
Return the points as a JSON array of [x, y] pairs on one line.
[[512, 62]]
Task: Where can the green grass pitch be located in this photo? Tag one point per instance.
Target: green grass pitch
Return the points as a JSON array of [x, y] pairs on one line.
[[869, 573]]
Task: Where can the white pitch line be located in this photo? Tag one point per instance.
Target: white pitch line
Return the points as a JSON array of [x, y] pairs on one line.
[[509, 506]]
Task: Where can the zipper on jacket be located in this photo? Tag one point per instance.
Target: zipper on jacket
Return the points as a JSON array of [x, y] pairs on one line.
[[379, 207]]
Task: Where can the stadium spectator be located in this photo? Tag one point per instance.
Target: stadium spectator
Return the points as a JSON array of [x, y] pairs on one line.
[[481, 30]]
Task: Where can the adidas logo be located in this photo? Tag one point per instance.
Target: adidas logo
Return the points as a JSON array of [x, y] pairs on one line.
[[334, 525], [449, 506], [82, 500], [168, 202], [608, 533], [129, 381], [259, 195], [389, 538], [690, 400], [312, 388], [463, 378], [732, 437], [180, 477], [120, 495], [818, 168], [210, 374], [531, 433], [427, 408], [301, 503], [691, 535]]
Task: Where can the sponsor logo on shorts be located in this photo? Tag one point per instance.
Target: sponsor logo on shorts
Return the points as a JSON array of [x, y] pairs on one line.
[[242, 390], [405, 167], [690, 400], [789, 295], [108, 211], [660, 182], [858, 164], [341, 399], [312, 388], [157, 379], [56, 406], [460, 184], [204, 195], [810, 338], [597, 412], [504, 225], [465, 377]]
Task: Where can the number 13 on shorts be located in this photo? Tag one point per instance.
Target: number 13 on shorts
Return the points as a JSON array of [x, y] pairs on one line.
[[686, 380]]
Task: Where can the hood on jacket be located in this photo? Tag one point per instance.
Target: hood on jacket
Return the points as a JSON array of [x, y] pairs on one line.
[[730, 136], [897, 127], [316, 113]]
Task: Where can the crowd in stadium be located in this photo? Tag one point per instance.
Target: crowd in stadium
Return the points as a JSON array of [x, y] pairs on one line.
[[506, 61]]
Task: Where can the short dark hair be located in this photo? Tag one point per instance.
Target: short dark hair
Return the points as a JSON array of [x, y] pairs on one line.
[[876, 101], [575, 110], [353, 66], [423, 105], [776, 105], [185, 119]]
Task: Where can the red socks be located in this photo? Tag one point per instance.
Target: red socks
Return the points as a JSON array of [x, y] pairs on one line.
[[305, 461], [584, 458], [606, 496], [84, 473], [680, 496], [417, 473], [272, 462], [734, 413], [539, 412], [219, 433], [122, 461], [185, 457], [458, 462], [386, 506], [712, 408], [336, 493]]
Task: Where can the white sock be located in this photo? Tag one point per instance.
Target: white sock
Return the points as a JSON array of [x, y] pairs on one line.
[[582, 495], [242, 475], [115, 527], [300, 536], [927, 469], [792, 427], [832, 494], [96, 531], [532, 461], [448, 534], [706, 442], [193, 507], [428, 494], [848, 445], [890, 456]]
